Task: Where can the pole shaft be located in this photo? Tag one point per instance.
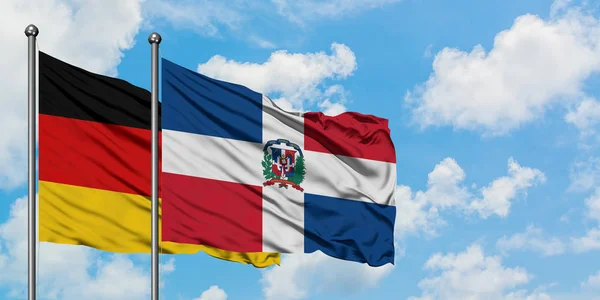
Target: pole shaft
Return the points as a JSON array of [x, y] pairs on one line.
[[31, 143], [154, 112]]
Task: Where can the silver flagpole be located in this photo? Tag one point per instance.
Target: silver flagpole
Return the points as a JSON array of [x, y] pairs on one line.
[[154, 39], [31, 32]]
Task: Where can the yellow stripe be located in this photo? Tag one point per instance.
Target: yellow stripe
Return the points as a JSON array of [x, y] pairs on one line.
[[114, 222]]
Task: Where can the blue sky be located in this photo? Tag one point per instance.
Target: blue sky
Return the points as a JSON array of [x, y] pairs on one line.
[[493, 108]]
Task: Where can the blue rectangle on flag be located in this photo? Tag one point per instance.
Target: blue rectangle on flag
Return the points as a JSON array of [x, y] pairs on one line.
[[194, 103]]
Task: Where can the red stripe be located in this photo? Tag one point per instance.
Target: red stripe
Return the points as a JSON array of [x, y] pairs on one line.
[[95, 155], [349, 134], [210, 212]]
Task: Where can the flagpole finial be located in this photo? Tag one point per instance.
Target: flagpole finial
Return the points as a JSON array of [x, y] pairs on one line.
[[31, 30], [154, 38]]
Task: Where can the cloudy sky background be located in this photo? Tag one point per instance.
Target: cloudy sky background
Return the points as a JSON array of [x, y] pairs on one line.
[[494, 110]]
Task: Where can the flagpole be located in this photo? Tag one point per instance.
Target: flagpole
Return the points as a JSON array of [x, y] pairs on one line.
[[31, 32], [154, 39]]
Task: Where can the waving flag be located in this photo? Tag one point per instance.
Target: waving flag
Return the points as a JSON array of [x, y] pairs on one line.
[[241, 174], [94, 165]]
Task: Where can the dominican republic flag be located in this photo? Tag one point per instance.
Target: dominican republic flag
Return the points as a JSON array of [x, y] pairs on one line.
[[241, 174]]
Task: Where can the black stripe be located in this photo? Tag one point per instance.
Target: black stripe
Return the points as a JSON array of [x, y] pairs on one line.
[[72, 92]]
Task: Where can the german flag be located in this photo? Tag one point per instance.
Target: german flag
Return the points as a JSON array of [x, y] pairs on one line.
[[95, 165]]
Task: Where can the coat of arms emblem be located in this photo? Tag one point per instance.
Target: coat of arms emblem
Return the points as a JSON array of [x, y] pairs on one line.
[[283, 164]]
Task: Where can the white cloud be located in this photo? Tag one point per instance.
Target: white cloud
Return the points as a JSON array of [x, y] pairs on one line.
[[216, 18], [496, 197], [213, 293], [524, 295], [69, 31], [472, 275], [586, 116], [302, 274], [261, 42], [585, 175], [66, 271], [335, 98], [533, 65], [559, 6], [593, 282], [532, 239], [420, 211], [415, 214], [302, 11], [589, 242], [331, 109], [201, 16], [295, 77], [167, 267]]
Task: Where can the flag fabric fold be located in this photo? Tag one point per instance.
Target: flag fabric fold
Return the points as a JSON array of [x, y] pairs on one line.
[[94, 165], [241, 174]]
